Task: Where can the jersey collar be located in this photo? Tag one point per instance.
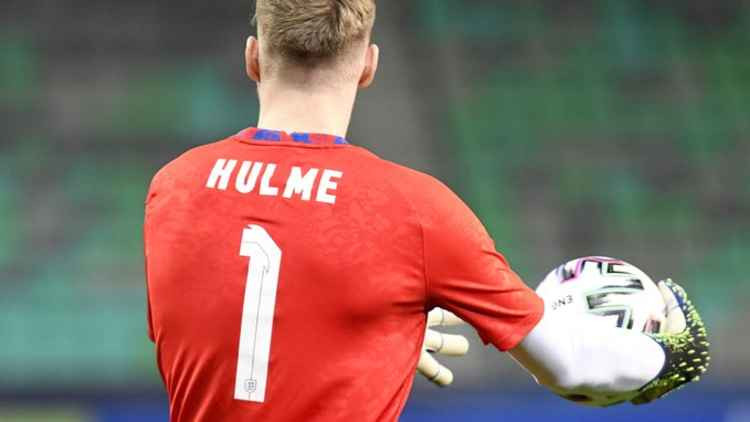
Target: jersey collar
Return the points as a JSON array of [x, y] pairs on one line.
[[274, 136]]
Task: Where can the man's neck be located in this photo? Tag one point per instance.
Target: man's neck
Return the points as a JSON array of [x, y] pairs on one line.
[[291, 109]]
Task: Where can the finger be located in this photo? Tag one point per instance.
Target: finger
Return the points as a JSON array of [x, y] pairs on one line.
[[446, 344], [675, 314], [441, 317], [677, 291], [431, 369]]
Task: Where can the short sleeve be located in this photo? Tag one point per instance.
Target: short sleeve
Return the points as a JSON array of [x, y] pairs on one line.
[[466, 275]]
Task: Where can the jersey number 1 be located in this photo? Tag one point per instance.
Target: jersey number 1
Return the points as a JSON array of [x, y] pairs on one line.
[[257, 313]]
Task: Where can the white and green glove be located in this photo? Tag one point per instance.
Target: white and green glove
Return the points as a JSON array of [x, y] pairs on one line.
[[685, 344], [444, 344]]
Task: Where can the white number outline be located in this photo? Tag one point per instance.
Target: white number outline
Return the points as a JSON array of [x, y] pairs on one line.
[[257, 313]]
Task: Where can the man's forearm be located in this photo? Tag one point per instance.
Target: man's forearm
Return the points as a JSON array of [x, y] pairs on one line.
[[576, 354]]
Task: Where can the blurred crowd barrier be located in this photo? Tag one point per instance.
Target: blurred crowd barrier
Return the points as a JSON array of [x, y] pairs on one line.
[[571, 127]]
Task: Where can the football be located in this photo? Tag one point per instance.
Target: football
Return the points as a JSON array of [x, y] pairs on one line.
[[609, 288]]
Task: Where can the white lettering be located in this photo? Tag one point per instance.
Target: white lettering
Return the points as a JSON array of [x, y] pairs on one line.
[[221, 174], [327, 184], [247, 178], [265, 185], [300, 184], [297, 184]]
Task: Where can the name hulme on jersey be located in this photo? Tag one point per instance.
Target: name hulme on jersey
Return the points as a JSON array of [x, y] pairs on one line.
[[302, 184]]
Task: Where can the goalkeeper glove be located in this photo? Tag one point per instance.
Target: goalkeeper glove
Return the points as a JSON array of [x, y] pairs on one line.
[[445, 344], [685, 344]]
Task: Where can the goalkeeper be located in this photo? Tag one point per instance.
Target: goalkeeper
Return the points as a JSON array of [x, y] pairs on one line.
[[289, 272]]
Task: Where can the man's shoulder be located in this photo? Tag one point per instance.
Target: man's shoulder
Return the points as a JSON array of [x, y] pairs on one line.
[[425, 193], [408, 179], [188, 159]]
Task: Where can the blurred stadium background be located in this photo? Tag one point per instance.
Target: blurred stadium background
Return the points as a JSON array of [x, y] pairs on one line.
[[616, 127]]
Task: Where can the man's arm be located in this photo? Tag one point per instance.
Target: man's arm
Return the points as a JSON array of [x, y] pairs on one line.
[[467, 276], [580, 357]]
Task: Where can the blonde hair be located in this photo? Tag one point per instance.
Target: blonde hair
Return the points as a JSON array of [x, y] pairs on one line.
[[314, 29]]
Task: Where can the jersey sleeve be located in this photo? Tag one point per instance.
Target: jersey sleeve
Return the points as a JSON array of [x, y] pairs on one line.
[[149, 197], [466, 275]]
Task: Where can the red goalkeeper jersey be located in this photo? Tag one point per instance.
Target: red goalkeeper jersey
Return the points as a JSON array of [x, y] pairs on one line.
[[289, 277]]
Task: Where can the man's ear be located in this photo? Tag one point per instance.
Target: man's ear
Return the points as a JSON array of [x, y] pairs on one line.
[[372, 60], [252, 59]]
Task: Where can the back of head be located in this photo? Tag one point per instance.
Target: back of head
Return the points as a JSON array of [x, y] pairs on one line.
[[314, 30]]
